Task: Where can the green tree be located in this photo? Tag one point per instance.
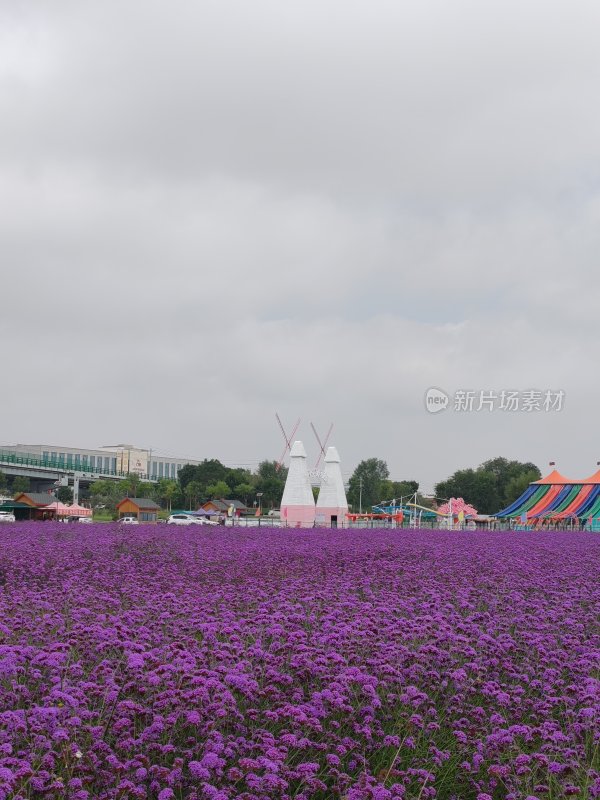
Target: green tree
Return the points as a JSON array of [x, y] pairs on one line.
[[492, 486], [238, 477], [186, 474], [272, 491], [398, 490], [130, 487], [20, 484], [168, 491], [485, 496], [242, 492], [177, 501], [366, 483], [270, 480], [517, 485], [192, 493], [106, 493], [271, 469], [218, 490], [64, 494], [211, 475], [99, 489], [505, 472], [476, 487], [146, 489], [405, 489], [207, 473]]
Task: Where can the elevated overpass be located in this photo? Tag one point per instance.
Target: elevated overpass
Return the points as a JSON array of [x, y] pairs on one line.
[[45, 471]]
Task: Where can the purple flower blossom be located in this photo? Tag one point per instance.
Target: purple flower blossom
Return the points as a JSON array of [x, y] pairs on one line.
[[265, 664], [198, 771]]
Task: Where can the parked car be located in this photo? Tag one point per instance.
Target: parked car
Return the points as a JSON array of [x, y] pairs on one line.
[[189, 519], [128, 521], [7, 516], [207, 521]]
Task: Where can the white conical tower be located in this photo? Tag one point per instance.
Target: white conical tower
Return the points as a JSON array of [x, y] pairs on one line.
[[332, 506], [298, 502]]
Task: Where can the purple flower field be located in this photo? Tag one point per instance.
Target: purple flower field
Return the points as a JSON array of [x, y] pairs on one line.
[[159, 662]]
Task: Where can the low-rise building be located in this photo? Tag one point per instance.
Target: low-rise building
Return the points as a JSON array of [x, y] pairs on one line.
[[143, 509], [222, 507], [38, 503]]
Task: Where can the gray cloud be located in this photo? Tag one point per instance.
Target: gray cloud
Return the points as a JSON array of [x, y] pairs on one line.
[[209, 212]]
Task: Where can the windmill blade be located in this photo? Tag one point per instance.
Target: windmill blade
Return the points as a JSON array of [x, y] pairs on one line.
[[291, 439], [327, 438], [287, 439], [322, 445], [283, 433], [282, 429], [281, 458], [317, 437]]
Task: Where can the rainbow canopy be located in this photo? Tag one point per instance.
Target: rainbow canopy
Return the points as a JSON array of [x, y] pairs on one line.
[[556, 497]]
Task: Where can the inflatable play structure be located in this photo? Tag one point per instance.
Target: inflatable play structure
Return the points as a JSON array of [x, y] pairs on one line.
[[557, 499], [458, 508]]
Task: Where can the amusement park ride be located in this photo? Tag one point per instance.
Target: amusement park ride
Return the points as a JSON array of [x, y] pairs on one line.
[[394, 511]]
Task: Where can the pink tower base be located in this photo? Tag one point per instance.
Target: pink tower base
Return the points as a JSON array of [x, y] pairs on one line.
[[298, 516], [332, 515]]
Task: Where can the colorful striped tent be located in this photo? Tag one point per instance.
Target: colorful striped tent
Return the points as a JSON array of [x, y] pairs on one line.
[[557, 498]]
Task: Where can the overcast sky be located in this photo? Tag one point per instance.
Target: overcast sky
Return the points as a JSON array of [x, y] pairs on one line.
[[211, 211]]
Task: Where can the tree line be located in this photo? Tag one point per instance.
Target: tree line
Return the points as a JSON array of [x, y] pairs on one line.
[[490, 487], [197, 483]]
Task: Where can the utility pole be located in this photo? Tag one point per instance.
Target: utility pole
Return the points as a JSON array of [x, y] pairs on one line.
[[76, 477]]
